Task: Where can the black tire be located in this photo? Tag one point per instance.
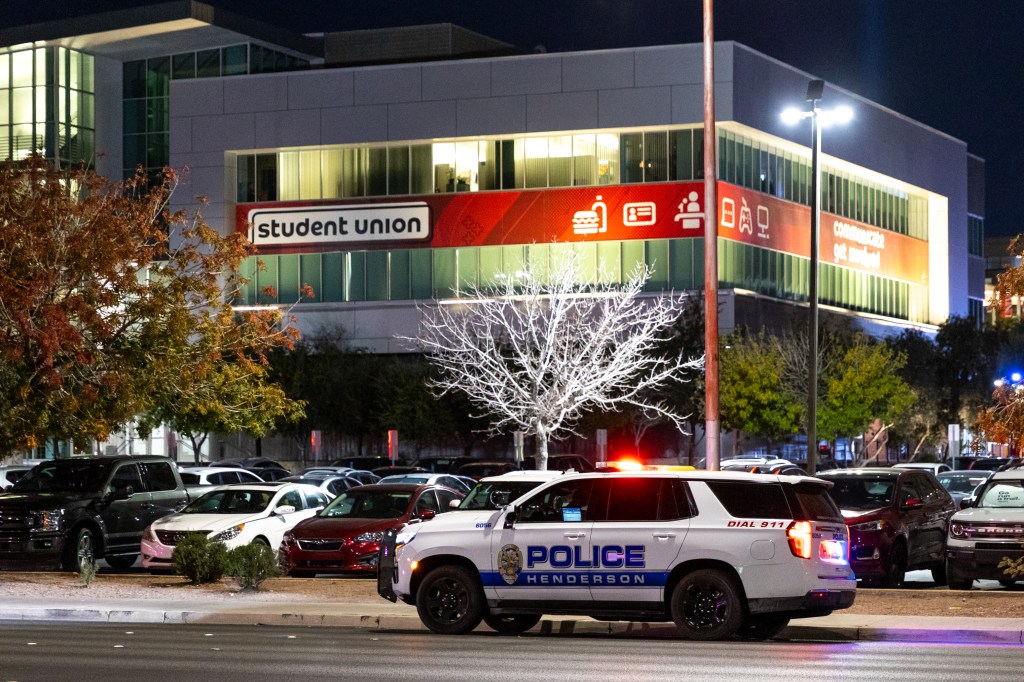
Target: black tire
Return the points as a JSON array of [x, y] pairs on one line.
[[80, 552], [763, 627], [939, 574], [121, 561], [706, 605], [301, 574], [512, 624], [957, 583], [1007, 583], [450, 601], [261, 541], [896, 571]]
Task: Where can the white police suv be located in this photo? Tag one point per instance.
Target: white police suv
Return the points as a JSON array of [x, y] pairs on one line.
[[718, 553]]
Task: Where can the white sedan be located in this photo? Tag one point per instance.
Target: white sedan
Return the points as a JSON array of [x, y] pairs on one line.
[[235, 515]]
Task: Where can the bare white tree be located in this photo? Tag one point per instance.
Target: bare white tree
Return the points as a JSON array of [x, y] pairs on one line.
[[539, 348]]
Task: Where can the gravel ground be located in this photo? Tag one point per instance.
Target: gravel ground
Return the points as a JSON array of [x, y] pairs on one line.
[[68, 588]]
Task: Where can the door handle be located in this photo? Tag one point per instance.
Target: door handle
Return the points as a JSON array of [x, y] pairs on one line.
[[575, 536], [664, 536]]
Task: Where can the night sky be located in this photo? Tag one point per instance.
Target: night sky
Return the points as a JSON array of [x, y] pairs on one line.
[[955, 65]]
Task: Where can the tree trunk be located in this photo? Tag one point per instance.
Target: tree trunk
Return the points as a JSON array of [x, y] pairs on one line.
[[542, 449]]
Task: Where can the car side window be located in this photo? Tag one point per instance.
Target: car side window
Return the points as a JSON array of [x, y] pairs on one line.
[[160, 476], [567, 501], [128, 476], [633, 499], [314, 499], [249, 477], [428, 500], [911, 490], [291, 498], [445, 497]]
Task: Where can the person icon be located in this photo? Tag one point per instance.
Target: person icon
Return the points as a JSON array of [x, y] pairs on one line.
[[690, 214]]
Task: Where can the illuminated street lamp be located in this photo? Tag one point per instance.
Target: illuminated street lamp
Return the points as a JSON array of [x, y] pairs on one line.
[[820, 118]]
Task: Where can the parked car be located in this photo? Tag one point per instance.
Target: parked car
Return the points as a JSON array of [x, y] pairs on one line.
[[71, 512], [763, 465], [443, 465], [200, 476], [267, 469], [898, 520], [988, 532], [345, 537], [235, 515], [478, 470], [493, 492], [993, 463], [961, 484], [395, 470], [460, 483], [364, 463], [934, 467], [332, 484], [10, 473]]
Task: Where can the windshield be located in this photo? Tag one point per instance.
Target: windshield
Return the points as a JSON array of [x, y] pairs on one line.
[[863, 493], [230, 502], [1002, 494], [369, 504], [961, 484], [480, 496], [66, 476]]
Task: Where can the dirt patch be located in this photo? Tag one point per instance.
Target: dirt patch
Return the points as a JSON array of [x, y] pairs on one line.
[[1002, 603]]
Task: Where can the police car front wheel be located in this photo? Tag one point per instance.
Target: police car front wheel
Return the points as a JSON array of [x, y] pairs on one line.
[[706, 605], [450, 600]]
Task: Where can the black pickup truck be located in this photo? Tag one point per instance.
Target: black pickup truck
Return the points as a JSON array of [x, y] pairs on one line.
[[67, 513]]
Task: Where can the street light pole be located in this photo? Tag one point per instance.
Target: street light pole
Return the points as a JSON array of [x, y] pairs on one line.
[[820, 118], [814, 92]]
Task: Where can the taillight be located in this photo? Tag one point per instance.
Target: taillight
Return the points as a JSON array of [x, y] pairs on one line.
[[799, 535]]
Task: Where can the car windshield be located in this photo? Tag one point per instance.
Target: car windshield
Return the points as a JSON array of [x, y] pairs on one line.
[[369, 504], [233, 501], [862, 492], [960, 484], [65, 476], [401, 478], [1005, 493], [480, 496]]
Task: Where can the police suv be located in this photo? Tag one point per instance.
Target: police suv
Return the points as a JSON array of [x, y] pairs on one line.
[[718, 553]]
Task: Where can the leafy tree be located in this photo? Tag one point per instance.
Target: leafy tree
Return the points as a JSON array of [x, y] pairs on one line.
[[112, 306], [866, 385], [753, 394], [537, 351], [921, 423]]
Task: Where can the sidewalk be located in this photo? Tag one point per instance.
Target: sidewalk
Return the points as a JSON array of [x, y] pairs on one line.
[[380, 615]]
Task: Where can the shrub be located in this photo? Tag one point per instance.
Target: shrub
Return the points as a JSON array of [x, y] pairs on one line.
[[200, 560], [251, 564], [87, 573]]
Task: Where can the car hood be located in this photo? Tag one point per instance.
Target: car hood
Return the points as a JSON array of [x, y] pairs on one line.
[[206, 523], [324, 527], [852, 516], [460, 519], [994, 514], [15, 501]]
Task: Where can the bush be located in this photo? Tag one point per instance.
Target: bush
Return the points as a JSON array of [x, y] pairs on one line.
[[200, 560], [251, 564]]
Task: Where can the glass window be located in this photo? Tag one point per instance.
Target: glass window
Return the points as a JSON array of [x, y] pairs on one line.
[[751, 500], [560, 161], [288, 278], [656, 258], [376, 171], [607, 159], [565, 502], [266, 177], [183, 66], [422, 172], [467, 163], [208, 63], [633, 499], [267, 277], [443, 267], [420, 270], [332, 276], [354, 172], [355, 276], [655, 157], [681, 154], [584, 157], [398, 170], [160, 476], [309, 273], [398, 272], [632, 157], [309, 174], [444, 166], [487, 177], [288, 176], [158, 77], [490, 264], [235, 60], [536, 162], [245, 166], [332, 177], [467, 265], [377, 275]]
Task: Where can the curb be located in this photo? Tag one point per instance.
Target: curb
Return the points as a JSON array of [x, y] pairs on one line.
[[547, 626]]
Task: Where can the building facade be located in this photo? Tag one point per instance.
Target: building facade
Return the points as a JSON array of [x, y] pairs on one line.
[[396, 173]]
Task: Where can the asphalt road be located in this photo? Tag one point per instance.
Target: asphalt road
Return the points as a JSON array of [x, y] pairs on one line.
[[54, 652]]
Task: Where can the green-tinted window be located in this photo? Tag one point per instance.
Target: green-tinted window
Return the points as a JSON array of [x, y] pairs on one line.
[[376, 171], [332, 276], [376, 275], [631, 163], [267, 277], [633, 255], [680, 256], [444, 273], [355, 276], [134, 116], [657, 260], [467, 265], [247, 289], [158, 77], [235, 60], [208, 63], [398, 170], [609, 258], [655, 156], [490, 264], [399, 272], [134, 81], [422, 273], [245, 176], [309, 274], [288, 276], [422, 171], [681, 159]]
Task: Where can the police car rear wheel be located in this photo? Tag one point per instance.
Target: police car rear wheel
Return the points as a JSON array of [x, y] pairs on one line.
[[706, 605], [512, 624], [450, 601]]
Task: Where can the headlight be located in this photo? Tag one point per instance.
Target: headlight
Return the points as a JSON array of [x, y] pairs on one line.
[[958, 530], [228, 533], [48, 521], [288, 539], [375, 536], [869, 525], [404, 537]]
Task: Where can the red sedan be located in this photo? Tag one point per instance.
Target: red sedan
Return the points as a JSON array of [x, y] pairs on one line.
[[345, 537]]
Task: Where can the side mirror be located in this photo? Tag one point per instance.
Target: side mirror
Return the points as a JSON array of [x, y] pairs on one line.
[[122, 493], [284, 509], [912, 503], [454, 504], [427, 514], [967, 503], [510, 518]]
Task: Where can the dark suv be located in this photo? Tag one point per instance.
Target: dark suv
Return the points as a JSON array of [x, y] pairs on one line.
[[898, 520], [70, 512]]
